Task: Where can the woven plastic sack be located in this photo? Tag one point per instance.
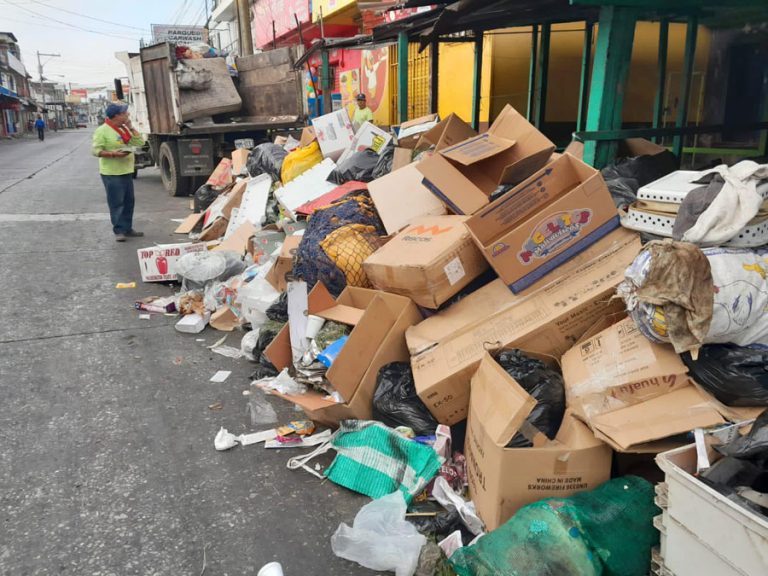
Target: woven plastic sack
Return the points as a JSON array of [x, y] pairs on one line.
[[299, 161], [604, 532], [375, 460], [348, 247], [316, 258]]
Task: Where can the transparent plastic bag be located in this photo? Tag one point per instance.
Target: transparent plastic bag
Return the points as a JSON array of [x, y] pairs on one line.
[[380, 538], [255, 298], [198, 268]]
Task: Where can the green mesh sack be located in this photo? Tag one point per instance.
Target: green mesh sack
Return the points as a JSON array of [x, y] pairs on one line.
[[605, 532]]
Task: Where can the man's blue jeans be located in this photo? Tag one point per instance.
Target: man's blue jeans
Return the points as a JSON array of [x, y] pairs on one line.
[[120, 201]]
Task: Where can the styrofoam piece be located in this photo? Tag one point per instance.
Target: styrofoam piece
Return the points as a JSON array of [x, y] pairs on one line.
[[704, 532], [253, 206], [661, 223], [675, 186], [306, 187]]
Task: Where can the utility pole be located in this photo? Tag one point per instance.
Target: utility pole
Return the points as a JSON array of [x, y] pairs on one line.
[[40, 70], [243, 10]]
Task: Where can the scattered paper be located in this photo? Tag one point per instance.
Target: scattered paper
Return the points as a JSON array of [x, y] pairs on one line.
[[256, 437], [178, 220], [218, 342], [221, 376], [224, 440], [145, 317], [125, 285], [228, 351]]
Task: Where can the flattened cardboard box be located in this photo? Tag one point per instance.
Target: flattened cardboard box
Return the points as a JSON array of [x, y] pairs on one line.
[[632, 391], [466, 174], [431, 260], [546, 321], [377, 338], [542, 223], [400, 197], [283, 266], [496, 296], [501, 479]]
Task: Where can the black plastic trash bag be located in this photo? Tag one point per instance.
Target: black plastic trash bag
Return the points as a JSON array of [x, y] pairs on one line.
[[278, 312], [734, 375], [204, 197], [359, 166], [384, 163], [545, 385], [625, 177], [396, 403], [266, 158], [267, 333]]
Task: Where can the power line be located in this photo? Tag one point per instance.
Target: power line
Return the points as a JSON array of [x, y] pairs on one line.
[[39, 15], [89, 17]]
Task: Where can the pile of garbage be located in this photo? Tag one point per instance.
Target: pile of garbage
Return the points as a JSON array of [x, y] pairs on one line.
[[474, 326]]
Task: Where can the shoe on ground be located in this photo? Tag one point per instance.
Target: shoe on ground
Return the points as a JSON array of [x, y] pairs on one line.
[[120, 238], [134, 234]]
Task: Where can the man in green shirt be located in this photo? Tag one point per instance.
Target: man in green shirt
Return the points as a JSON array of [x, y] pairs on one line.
[[112, 144], [363, 114]]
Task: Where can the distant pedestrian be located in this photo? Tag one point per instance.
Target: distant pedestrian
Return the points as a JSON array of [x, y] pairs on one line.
[[40, 126], [112, 142], [363, 114]]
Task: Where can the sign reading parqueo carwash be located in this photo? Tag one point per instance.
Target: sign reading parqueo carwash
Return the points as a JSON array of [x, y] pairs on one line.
[[179, 34]]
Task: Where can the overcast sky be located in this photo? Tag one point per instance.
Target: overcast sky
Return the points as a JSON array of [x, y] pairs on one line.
[[77, 30]]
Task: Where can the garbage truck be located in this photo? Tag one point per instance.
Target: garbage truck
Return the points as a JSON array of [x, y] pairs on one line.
[[192, 112]]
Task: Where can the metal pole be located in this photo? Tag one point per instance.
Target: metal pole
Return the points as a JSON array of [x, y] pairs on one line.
[[586, 62], [434, 70], [402, 76], [615, 36], [541, 84], [685, 84], [658, 105], [309, 67], [477, 81], [326, 81], [532, 71]]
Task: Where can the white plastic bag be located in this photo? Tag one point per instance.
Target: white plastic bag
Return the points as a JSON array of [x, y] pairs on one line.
[[254, 299], [380, 538]]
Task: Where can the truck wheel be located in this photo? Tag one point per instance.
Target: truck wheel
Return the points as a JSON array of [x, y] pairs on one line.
[[170, 171]]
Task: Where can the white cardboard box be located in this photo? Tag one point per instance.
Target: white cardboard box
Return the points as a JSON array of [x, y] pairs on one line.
[[368, 136], [334, 133], [158, 263]]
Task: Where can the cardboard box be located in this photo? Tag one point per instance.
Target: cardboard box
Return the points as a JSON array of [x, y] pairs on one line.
[[377, 338], [410, 132], [221, 175], [432, 259], [307, 136], [239, 159], [400, 197], [189, 224], [279, 274], [502, 480], [448, 132], [368, 136], [401, 157], [158, 263], [544, 222], [466, 174], [546, 321], [631, 391], [334, 133], [496, 296]]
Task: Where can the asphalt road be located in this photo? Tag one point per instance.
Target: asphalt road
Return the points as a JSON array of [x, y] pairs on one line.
[[107, 464]]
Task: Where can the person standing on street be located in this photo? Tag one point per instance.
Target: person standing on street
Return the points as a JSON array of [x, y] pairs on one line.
[[112, 142], [40, 126], [363, 114]]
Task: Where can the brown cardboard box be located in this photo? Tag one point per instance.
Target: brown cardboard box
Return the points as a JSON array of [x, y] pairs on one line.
[[400, 197], [502, 480], [544, 222], [493, 297], [631, 391], [546, 321], [402, 157], [448, 132], [190, 223], [283, 266], [380, 321], [432, 259], [239, 159], [410, 141], [234, 197], [307, 136], [239, 240], [465, 175]]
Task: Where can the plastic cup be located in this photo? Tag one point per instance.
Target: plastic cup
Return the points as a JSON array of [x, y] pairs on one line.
[[271, 569], [314, 324]]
